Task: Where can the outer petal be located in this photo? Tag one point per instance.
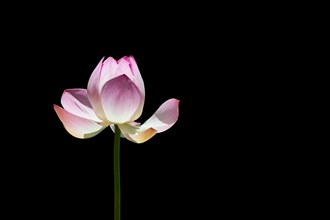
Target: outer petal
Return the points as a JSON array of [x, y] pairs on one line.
[[141, 137], [76, 102], [77, 126], [137, 75], [93, 90], [139, 83], [164, 118], [120, 99], [132, 132]]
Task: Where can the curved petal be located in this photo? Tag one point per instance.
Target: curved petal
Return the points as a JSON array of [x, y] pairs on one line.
[[137, 75], [93, 90], [164, 118], [140, 137], [131, 131], [77, 126], [139, 83], [120, 99], [108, 71], [76, 102]]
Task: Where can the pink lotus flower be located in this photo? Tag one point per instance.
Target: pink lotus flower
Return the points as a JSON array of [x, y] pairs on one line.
[[115, 95]]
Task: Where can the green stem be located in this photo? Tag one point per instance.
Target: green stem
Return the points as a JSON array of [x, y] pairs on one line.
[[116, 171]]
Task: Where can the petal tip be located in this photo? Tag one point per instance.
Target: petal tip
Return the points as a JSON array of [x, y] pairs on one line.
[[131, 57], [56, 108]]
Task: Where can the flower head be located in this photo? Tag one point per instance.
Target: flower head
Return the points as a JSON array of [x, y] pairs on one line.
[[115, 94]]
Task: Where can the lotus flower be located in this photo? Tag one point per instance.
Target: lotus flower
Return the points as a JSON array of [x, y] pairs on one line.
[[115, 95]]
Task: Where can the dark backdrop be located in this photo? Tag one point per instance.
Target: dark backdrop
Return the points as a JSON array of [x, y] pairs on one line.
[[218, 160]]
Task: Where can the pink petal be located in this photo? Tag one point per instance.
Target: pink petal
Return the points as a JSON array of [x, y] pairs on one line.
[[124, 68], [164, 118], [76, 102], [139, 83], [108, 71], [93, 90], [77, 126], [137, 75], [120, 99]]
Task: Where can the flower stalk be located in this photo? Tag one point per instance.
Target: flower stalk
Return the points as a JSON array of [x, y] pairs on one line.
[[116, 172]]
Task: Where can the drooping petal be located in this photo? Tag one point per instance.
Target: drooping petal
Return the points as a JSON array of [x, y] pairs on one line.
[[108, 71], [93, 90], [120, 99], [139, 83], [76, 102], [132, 132], [77, 126], [141, 137], [165, 116]]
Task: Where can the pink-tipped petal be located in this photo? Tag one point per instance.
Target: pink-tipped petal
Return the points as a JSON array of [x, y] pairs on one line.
[[120, 99], [76, 102], [137, 75], [124, 68], [108, 71], [165, 116], [139, 83], [93, 90], [77, 126]]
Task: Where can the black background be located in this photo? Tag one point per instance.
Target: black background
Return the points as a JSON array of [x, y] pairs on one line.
[[220, 159]]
